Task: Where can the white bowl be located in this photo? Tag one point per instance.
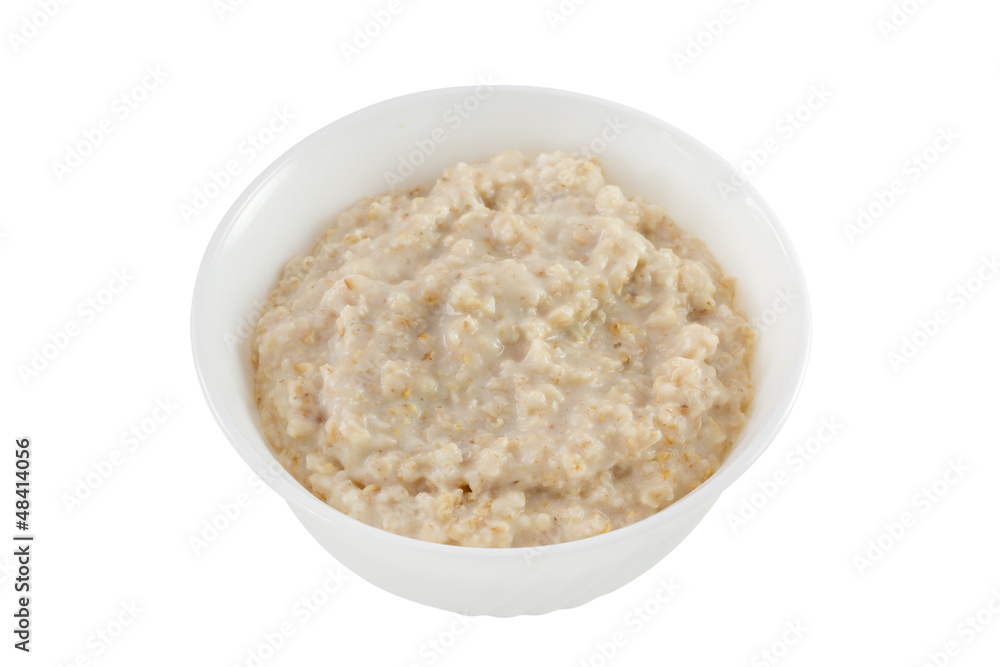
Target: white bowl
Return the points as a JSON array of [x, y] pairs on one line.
[[287, 207]]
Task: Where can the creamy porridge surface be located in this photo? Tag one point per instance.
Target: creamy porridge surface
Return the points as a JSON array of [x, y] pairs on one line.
[[518, 355]]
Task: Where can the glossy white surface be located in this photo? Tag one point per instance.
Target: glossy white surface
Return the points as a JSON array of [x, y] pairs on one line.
[[285, 209]]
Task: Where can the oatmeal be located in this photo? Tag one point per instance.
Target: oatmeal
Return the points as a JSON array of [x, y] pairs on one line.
[[517, 355]]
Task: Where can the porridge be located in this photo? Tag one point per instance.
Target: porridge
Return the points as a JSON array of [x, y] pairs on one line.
[[518, 355]]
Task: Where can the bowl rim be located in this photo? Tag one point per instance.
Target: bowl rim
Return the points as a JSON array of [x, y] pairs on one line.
[[705, 493]]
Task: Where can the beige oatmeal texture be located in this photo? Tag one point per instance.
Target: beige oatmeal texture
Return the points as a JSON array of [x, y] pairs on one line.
[[518, 355]]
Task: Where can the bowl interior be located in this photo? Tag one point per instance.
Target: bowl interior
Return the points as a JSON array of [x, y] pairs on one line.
[[414, 138]]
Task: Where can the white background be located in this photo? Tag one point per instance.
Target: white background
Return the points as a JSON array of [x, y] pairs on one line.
[[801, 557]]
